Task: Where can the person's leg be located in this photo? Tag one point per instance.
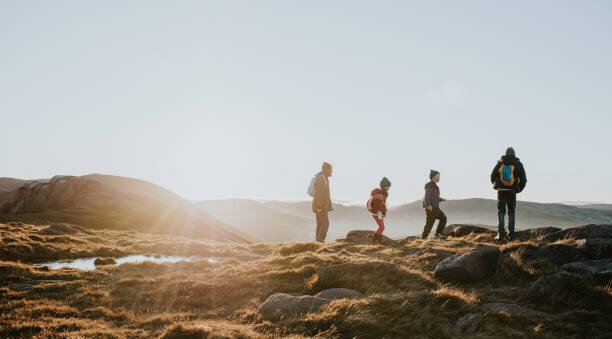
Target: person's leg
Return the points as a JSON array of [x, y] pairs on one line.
[[442, 223], [324, 226], [381, 224], [511, 212], [429, 221], [501, 212], [318, 232]]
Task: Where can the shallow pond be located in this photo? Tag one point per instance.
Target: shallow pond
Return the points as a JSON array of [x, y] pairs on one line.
[[88, 263]]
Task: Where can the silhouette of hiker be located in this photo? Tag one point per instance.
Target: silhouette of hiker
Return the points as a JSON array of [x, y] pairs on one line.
[[321, 201], [508, 178], [377, 205], [431, 203]]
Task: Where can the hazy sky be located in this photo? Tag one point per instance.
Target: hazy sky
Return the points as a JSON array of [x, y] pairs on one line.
[[247, 98]]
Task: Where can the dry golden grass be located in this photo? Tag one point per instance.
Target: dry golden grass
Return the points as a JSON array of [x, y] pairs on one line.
[[216, 300]]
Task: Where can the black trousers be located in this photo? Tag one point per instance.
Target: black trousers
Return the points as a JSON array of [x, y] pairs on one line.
[[322, 226], [435, 214], [506, 201]]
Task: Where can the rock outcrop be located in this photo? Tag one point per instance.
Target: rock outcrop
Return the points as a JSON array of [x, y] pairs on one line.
[[598, 271], [583, 232], [113, 202]]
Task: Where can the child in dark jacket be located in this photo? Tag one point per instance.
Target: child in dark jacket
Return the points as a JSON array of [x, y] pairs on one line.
[[377, 205]]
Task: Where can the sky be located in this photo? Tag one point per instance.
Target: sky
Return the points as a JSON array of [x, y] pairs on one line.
[[246, 99]]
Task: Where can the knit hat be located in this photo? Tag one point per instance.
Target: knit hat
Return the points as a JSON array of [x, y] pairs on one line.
[[326, 166], [510, 152], [384, 183], [433, 173]]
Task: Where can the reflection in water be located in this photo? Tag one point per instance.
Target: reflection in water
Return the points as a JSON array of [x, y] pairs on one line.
[[88, 263]]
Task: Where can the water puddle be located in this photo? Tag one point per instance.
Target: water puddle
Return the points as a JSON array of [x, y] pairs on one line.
[[88, 263]]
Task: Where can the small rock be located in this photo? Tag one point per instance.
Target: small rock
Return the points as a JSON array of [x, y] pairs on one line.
[[365, 237], [467, 267], [468, 324], [104, 261], [463, 230], [21, 287], [338, 293], [512, 310], [599, 271], [59, 229], [280, 305]]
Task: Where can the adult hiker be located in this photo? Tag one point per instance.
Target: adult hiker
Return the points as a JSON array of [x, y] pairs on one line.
[[377, 205], [508, 178], [431, 203], [321, 200]]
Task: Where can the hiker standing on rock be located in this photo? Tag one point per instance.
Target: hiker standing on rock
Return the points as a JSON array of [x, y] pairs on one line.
[[321, 200], [508, 178], [431, 203], [377, 205]]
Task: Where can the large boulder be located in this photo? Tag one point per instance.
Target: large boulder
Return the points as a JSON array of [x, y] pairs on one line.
[[554, 287], [463, 230], [512, 310], [468, 267], [547, 259], [366, 237], [582, 232], [599, 271], [280, 305]]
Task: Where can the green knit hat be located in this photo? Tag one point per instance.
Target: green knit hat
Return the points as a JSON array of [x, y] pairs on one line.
[[385, 183], [433, 173]]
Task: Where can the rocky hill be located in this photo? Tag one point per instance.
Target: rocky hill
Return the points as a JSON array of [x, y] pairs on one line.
[[98, 201], [549, 283]]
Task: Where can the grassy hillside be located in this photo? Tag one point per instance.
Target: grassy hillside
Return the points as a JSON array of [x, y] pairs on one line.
[[401, 296]]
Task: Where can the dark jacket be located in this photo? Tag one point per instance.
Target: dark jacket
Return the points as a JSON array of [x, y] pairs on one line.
[[520, 178], [322, 197], [432, 195], [378, 201]]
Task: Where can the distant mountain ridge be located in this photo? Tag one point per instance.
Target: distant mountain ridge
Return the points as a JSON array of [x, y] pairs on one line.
[[403, 220], [101, 201]]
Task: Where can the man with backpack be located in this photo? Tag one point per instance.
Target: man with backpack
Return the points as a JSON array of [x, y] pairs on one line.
[[321, 200], [508, 178], [431, 204]]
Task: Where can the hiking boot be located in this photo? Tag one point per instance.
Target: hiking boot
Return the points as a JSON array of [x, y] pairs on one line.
[[377, 238], [439, 236], [500, 237], [510, 236]]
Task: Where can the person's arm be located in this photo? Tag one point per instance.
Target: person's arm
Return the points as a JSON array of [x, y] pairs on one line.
[[522, 178], [495, 173]]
